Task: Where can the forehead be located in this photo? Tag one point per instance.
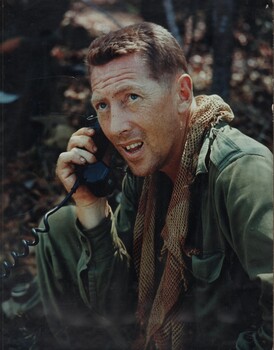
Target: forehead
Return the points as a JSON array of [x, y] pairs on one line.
[[126, 68]]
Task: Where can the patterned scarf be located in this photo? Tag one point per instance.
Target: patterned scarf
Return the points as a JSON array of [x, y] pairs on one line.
[[158, 308]]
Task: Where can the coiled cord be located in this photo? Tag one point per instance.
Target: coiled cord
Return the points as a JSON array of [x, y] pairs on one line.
[[8, 266]]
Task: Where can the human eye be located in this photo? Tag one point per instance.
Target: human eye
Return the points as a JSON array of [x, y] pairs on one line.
[[101, 106], [133, 97]]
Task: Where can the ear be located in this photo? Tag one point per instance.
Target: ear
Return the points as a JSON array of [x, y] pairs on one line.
[[185, 92]]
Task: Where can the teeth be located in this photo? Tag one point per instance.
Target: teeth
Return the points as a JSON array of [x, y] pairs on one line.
[[133, 145]]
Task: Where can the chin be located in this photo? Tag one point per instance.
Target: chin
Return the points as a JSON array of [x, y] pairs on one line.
[[141, 172]]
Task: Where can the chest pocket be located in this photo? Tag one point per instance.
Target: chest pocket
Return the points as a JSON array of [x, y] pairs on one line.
[[208, 267]]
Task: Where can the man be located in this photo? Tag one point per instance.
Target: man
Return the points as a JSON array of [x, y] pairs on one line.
[[185, 262]]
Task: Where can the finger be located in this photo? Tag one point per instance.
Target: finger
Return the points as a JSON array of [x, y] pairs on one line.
[[65, 168], [82, 141], [75, 156], [84, 131]]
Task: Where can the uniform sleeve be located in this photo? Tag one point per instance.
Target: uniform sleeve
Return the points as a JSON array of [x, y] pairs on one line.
[[85, 274], [53, 276], [245, 208]]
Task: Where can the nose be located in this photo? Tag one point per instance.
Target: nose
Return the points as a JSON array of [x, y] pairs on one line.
[[119, 122]]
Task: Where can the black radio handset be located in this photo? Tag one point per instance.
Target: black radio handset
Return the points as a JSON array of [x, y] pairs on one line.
[[97, 176]]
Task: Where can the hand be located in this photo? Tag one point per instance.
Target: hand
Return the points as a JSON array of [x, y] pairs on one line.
[[80, 151]]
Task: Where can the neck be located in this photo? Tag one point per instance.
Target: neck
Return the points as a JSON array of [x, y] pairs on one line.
[[174, 167]]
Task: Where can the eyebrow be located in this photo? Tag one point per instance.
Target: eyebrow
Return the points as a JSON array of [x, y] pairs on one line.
[[118, 91], [95, 99]]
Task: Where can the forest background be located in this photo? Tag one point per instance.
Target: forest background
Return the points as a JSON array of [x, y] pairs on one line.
[[45, 93]]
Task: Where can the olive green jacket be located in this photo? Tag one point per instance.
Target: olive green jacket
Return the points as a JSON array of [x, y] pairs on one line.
[[87, 282]]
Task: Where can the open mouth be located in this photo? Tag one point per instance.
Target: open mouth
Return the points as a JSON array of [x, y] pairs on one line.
[[134, 147]]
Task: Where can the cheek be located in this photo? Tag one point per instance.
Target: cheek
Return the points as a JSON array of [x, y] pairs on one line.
[[104, 126], [157, 135]]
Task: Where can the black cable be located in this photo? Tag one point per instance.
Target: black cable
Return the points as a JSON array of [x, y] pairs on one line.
[[6, 265]]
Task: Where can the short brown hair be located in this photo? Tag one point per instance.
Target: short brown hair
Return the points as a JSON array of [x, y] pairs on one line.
[[159, 48]]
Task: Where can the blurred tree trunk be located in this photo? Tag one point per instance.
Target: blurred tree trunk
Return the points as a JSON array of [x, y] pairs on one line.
[[222, 21], [171, 19], [154, 11], [162, 12], [27, 68]]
